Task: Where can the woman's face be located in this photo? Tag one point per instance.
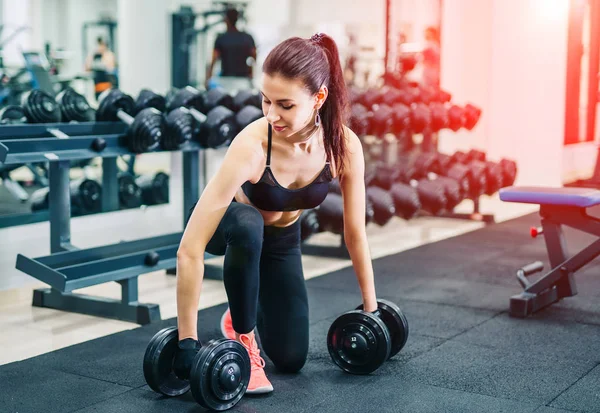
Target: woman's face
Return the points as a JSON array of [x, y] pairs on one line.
[[287, 105]]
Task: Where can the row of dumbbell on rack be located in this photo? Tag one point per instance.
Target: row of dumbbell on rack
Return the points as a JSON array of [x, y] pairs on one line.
[[412, 109], [86, 194], [211, 118], [425, 182]]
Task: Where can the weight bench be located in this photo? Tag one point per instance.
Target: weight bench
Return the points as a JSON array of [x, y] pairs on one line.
[[558, 207]]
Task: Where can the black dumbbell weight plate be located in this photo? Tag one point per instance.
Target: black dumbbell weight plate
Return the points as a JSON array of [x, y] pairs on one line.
[[219, 129], [160, 185], [130, 195], [158, 364], [40, 107], [86, 196], [73, 106], [247, 115], [220, 374], [396, 323], [155, 188], [12, 114], [146, 131], [217, 97], [111, 101], [188, 97], [181, 127], [149, 99], [358, 342], [247, 97]]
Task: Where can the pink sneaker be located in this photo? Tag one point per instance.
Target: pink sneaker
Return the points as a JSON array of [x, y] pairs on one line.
[[227, 326], [259, 383]]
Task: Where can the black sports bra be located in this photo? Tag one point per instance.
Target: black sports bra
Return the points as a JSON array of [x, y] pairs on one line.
[[267, 194]]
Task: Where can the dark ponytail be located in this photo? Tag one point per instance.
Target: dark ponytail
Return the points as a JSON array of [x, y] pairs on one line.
[[316, 62]]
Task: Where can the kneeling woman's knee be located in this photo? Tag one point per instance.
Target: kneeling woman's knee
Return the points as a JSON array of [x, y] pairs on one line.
[[288, 362], [245, 226]]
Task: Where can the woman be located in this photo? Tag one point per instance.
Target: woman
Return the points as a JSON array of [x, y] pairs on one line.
[[276, 167]]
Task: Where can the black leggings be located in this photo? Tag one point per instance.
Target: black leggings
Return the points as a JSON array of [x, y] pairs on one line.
[[265, 283]]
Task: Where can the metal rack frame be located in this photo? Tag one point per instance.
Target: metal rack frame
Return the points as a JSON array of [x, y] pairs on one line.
[[67, 267]]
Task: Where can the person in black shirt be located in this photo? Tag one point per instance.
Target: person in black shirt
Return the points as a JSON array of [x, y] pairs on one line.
[[235, 49]]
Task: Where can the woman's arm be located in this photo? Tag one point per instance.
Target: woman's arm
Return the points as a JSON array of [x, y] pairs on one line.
[[352, 183], [242, 161]]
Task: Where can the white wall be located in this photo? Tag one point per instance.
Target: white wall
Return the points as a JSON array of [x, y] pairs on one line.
[[144, 46], [16, 14], [509, 57], [466, 59]]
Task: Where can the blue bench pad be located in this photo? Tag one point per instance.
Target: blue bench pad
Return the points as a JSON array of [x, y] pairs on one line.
[[577, 197]]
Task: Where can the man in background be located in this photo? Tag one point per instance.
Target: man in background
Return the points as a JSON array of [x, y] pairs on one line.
[[237, 52]]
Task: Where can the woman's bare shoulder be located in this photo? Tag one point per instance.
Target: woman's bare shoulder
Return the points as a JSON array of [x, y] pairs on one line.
[[252, 135]]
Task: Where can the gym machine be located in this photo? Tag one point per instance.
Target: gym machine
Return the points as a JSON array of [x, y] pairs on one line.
[[559, 208]]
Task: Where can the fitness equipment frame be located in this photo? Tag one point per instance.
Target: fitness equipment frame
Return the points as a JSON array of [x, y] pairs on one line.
[[14, 143], [558, 207]]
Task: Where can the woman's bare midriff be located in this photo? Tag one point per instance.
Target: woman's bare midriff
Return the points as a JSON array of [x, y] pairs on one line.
[[271, 218]]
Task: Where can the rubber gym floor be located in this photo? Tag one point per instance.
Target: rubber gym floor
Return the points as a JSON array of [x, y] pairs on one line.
[[464, 352]]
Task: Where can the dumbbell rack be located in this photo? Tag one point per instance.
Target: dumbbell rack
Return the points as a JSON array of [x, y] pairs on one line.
[[68, 268], [392, 150], [19, 144]]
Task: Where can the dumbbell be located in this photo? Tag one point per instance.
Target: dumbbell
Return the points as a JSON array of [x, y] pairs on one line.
[[145, 130], [154, 188], [247, 97], [472, 115], [437, 116], [508, 166], [179, 125], [379, 205], [149, 99], [130, 194], [327, 217], [309, 224], [405, 93], [378, 121], [359, 119], [73, 106], [217, 97], [382, 119], [504, 172], [330, 214], [359, 342], [457, 180], [85, 197], [214, 129], [247, 115], [40, 107], [12, 115], [218, 378], [410, 191]]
